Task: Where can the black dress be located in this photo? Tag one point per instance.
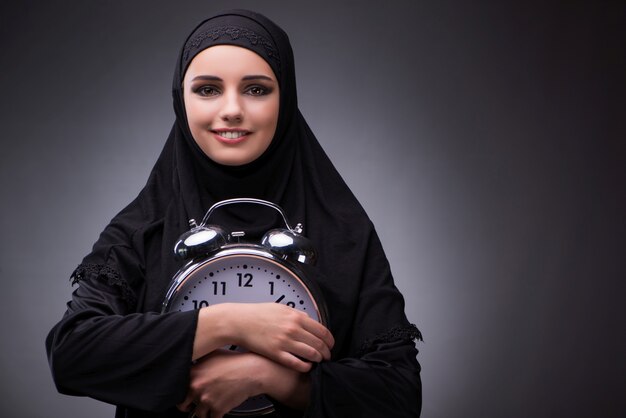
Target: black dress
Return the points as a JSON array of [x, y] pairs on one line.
[[113, 344]]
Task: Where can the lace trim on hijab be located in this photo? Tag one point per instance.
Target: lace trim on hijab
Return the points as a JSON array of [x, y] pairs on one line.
[[408, 333], [104, 272], [234, 32]]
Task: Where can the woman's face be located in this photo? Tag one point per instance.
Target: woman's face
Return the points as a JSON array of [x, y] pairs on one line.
[[232, 100]]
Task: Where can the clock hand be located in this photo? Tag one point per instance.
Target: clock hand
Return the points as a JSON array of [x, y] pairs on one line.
[[280, 298]]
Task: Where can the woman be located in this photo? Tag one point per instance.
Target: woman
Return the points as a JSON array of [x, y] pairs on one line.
[[238, 133]]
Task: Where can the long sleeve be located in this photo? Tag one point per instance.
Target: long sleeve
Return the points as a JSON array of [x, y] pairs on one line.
[[382, 383], [374, 371], [100, 349]]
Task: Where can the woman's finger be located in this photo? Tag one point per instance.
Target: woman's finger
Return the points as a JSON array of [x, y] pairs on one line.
[[319, 331], [186, 405]]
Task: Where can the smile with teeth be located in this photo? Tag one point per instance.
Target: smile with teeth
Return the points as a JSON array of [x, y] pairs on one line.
[[231, 134]]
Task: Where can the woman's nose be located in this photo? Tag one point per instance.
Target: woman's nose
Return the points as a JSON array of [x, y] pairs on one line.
[[231, 110]]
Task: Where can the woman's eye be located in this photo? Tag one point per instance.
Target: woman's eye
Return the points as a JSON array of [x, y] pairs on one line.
[[257, 91], [207, 91]]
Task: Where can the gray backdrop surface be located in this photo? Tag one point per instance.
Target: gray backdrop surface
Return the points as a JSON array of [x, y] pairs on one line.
[[486, 142]]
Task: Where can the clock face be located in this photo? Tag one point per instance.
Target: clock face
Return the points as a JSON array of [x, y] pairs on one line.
[[250, 276], [240, 278]]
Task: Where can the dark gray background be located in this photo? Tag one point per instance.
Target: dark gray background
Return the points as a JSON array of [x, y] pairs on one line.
[[486, 141]]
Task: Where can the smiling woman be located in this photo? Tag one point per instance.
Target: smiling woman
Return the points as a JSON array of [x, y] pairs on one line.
[[231, 98], [238, 134]]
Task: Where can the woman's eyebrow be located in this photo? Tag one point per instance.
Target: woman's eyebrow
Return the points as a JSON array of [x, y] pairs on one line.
[[245, 78], [257, 77], [207, 78]]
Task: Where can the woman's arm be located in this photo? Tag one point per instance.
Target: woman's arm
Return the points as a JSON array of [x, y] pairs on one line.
[[278, 332], [382, 383], [374, 372], [143, 360], [221, 379], [139, 360], [224, 379]]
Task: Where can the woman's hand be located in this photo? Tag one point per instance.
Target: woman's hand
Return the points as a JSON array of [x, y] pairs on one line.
[[278, 332], [224, 379], [283, 334], [220, 382]]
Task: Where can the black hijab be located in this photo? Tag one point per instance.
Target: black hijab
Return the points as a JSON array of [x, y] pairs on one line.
[[294, 172]]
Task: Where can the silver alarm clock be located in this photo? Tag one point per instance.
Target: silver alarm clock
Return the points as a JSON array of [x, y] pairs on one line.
[[222, 267]]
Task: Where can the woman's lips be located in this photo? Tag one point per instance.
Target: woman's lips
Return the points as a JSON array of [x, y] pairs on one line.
[[230, 136]]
